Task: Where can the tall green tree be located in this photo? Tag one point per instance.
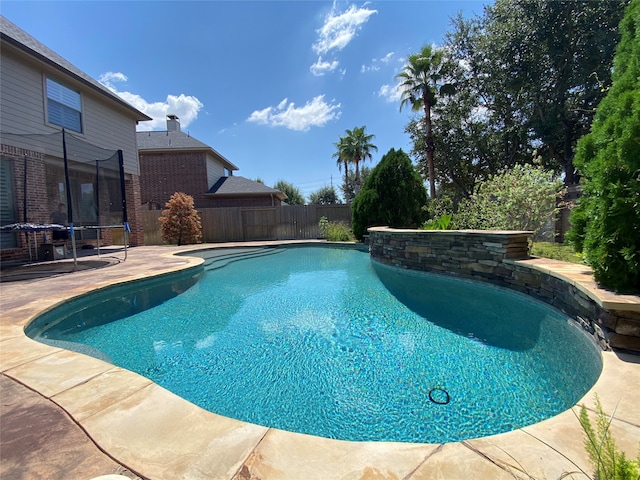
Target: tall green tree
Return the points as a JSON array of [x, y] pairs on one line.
[[294, 197], [528, 75], [483, 120], [355, 146], [460, 160], [324, 196], [349, 189], [422, 80], [553, 58], [393, 195], [606, 222], [476, 132]]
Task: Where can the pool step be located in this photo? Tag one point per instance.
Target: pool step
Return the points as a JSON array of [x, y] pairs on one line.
[[225, 258]]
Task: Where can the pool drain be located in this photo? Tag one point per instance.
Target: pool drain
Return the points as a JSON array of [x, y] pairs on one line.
[[439, 398]]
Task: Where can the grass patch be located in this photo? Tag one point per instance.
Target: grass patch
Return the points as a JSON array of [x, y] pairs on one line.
[[555, 251]]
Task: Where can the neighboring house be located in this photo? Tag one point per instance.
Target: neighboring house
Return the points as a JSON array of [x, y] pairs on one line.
[[173, 161], [41, 93]]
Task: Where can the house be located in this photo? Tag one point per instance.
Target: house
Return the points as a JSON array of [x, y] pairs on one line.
[[51, 110], [173, 161]]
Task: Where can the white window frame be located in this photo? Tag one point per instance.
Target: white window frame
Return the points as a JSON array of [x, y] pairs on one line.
[[61, 100]]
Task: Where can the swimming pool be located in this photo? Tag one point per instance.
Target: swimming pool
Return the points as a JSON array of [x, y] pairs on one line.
[[325, 341]]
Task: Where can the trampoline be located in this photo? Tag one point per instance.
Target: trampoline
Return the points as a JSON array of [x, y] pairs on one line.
[[80, 190]]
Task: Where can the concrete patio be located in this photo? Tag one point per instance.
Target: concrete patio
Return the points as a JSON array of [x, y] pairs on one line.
[[84, 417]]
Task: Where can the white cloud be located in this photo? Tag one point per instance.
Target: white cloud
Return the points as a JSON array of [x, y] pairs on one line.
[[391, 93], [369, 68], [337, 32], [340, 28], [387, 58], [314, 113], [320, 67], [186, 107], [107, 78], [375, 64]]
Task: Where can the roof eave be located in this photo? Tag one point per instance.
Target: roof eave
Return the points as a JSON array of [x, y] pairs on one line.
[[222, 157], [278, 195], [140, 117]]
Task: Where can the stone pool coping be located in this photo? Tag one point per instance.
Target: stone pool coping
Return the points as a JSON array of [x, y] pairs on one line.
[[161, 436]]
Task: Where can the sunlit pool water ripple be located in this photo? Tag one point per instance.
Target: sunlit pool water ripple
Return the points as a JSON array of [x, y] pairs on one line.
[[327, 342]]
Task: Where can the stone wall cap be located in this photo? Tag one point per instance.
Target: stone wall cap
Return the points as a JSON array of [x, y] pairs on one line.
[[581, 277], [449, 232]]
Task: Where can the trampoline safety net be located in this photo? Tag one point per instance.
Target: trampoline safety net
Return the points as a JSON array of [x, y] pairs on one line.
[[83, 189]]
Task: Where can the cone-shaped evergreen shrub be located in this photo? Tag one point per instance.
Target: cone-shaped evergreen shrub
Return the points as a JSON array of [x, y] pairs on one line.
[[393, 195], [606, 221], [179, 222]]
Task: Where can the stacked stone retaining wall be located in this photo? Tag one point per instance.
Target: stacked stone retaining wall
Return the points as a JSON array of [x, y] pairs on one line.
[[502, 258]]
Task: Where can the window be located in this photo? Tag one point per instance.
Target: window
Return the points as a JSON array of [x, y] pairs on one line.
[[64, 106]]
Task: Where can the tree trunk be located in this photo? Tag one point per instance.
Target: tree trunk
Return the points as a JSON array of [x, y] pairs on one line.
[[356, 189], [570, 175], [346, 182], [430, 147]]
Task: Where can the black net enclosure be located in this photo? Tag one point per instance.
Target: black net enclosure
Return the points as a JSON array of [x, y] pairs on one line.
[[60, 186]]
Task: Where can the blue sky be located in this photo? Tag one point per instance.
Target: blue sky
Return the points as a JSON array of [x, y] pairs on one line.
[[271, 85]]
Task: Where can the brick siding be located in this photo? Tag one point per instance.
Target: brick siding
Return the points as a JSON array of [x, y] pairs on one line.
[[134, 210], [163, 174]]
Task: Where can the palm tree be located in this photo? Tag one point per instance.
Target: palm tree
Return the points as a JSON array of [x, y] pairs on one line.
[[359, 148], [421, 82], [354, 147], [343, 159]]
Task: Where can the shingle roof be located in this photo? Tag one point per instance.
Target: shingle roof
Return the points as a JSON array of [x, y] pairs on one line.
[[158, 141], [234, 185], [21, 39], [163, 140]]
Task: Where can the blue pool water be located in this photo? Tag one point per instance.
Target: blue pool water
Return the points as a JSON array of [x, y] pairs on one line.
[[327, 342]]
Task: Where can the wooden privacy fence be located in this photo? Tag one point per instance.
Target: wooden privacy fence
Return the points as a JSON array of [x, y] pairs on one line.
[[237, 224]]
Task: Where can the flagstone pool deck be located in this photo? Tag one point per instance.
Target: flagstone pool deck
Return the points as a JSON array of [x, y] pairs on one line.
[[80, 417]]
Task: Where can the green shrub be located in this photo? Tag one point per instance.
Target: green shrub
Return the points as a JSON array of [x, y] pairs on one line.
[[606, 222], [393, 195], [339, 232], [608, 462], [523, 197], [439, 206], [575, 236], [323, 226], [440, 223], [335, 231]]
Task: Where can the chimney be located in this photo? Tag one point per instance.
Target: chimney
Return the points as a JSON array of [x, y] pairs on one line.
[[173, 123]]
